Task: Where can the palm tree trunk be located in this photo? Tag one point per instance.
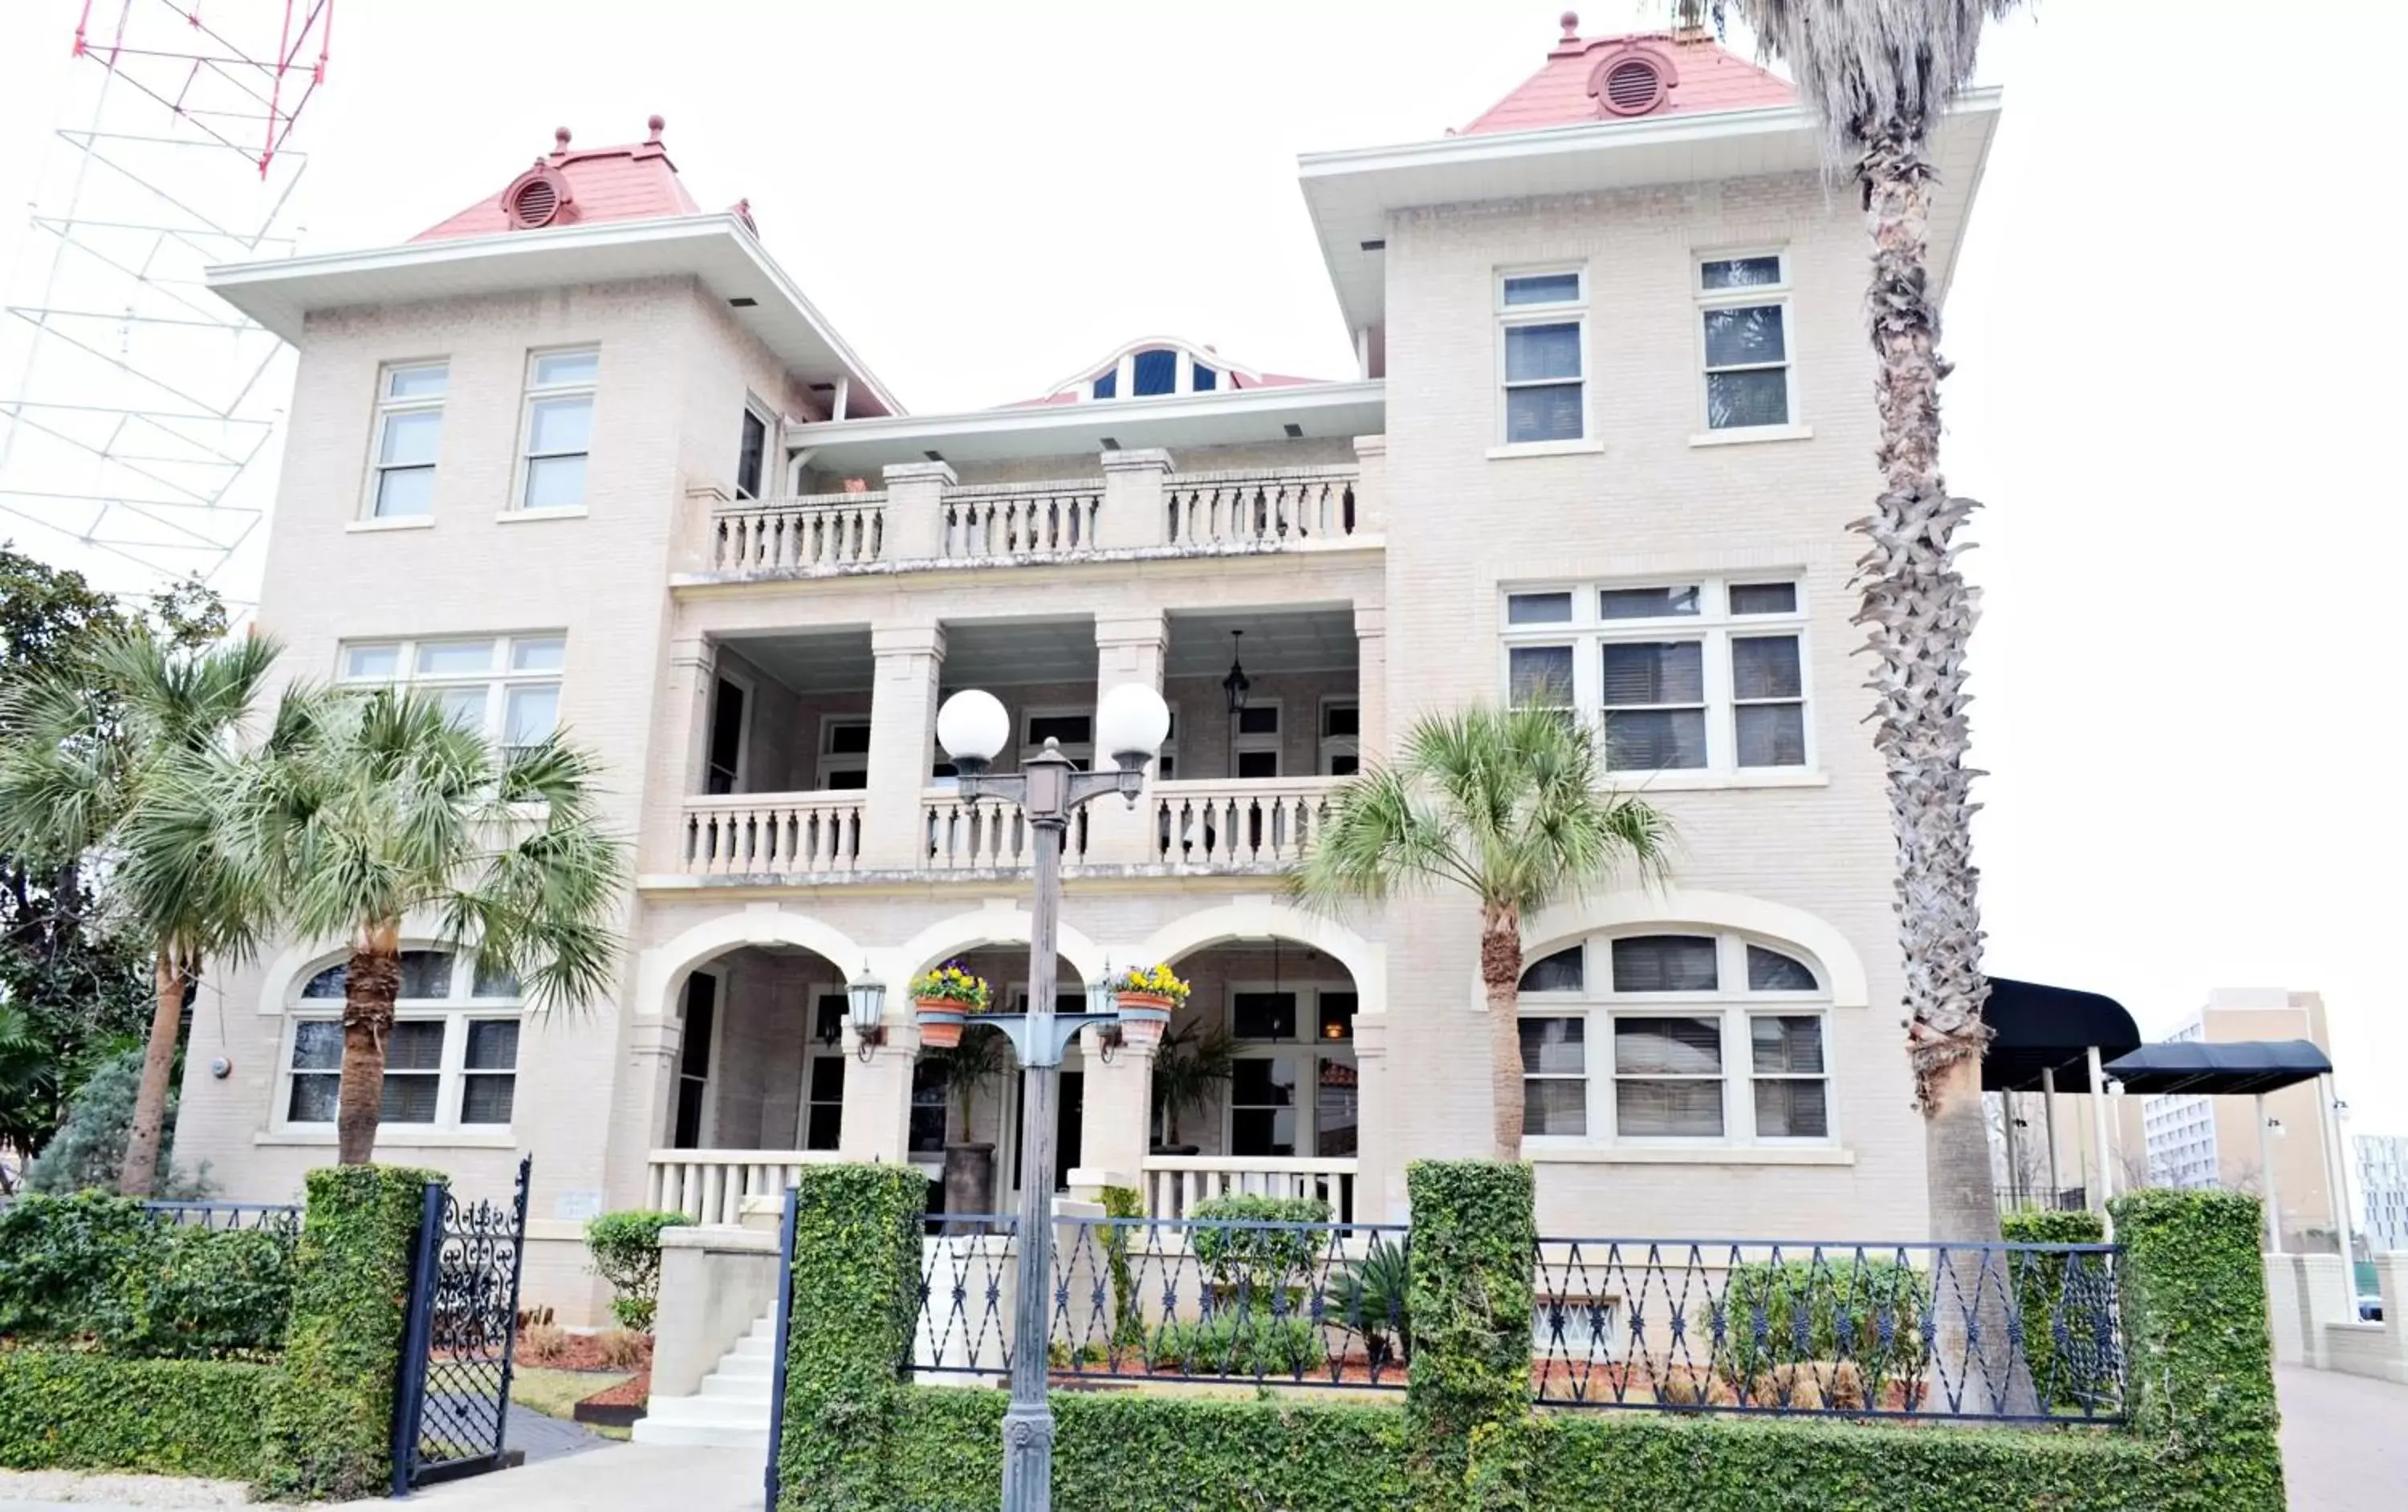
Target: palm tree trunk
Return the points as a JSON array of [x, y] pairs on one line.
[[139, 1175], [1500, 979], [369, 988]]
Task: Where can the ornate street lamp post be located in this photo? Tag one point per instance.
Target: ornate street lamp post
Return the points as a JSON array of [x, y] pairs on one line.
[[1131, 722]]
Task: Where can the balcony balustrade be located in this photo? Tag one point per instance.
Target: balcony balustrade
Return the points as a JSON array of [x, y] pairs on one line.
[[816, 533], [710, 1186], [1174, 1184], [771, 834], [1288, 506], [1240, 821], [1019, 520]]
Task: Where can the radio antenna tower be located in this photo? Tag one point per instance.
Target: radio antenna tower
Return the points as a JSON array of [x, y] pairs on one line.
[[139, 414]]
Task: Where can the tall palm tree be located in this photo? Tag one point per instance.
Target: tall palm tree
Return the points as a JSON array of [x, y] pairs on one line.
[[375, 813], [1878, 76], [94, 753], [1510, 806]]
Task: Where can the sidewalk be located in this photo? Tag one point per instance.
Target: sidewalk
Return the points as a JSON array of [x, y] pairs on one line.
[[622, 1475], [2344, 1441]]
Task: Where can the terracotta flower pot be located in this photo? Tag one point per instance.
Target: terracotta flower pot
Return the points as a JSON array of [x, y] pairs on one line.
[[1145, 1016], [941, 1023]]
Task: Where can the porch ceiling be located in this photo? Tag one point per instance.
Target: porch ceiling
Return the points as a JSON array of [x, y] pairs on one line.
[[994, 653], [812, 661], [1319, 639]]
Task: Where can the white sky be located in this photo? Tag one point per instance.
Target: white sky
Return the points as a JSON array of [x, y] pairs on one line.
[[2163, 394]]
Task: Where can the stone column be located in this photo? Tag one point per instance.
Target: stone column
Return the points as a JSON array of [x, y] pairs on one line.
[[697, 527], [1374, 1200], [1371, 486], [1128, 650], [902, 733], [1118, 1119], [1371, 680], [878, 1090], [915, 510], [685, 747], [1133, 509]]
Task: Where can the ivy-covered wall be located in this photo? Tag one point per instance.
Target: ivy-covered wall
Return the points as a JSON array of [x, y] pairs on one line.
[[63, 1409], [855, 1438]]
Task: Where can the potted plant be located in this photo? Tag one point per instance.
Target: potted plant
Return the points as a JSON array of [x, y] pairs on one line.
[[982, 1058], [1147, 996], [943, 999], [1191, 1066]]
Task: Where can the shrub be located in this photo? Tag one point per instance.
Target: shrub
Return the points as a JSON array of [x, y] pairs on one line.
[[88, 1150], [71, 1409], [624, 1349], [1470, 1263], [1247, 1343], [1254, 1261], [1369, 1296], [101, 1268], [626, 1248], [541, 1344], [1869, 1311]]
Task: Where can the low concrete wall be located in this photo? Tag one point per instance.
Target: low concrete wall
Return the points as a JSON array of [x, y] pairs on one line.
[[715, 1282], [2312, 1306]]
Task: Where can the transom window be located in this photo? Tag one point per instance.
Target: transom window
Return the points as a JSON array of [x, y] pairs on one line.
[[844, 752], [1701, 674], [506, 687], [451, 1060], [1540, 338], [1744, 314], [409, 435], [559, 428], [1698, 1038]]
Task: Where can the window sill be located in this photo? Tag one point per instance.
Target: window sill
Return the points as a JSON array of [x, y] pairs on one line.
[[1545, 449], [393, 1139], [1679, 782], [1741, 435], [1576, 1154], [511, 516], [400, 522]]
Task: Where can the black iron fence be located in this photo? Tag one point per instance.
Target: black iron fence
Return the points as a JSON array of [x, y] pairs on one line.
[[2001, 1333], [281, 1219], [451, 1414], [1315, 1305], [2030, 1199]]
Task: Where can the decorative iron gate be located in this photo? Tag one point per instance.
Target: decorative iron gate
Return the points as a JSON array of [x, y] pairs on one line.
[[452, 1410]]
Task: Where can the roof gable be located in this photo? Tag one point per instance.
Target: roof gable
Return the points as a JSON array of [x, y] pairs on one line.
[[634, 182], [1703, 77]]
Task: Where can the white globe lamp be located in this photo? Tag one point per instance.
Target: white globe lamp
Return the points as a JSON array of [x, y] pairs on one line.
[[972, 727], [1131, 722]]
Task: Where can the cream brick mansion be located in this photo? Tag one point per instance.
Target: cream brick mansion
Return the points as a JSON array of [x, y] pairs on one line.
[[584, 455]]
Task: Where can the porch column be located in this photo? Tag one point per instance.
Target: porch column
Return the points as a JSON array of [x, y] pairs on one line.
[[642, 1117], [1371, 680], [685, 717], [1133, 508], [1118, 1117], [878, 1092], [908, 660], [915, 510], [1371, 485], [1128, 650], [1373, 1203]]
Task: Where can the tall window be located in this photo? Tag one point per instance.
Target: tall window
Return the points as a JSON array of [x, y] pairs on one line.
[[1540, 322], [1702, 675], [1704, 1038], [1293, 1089], [751, 454], [691, 1124], [1744, 308], [507, 687], [450, 1057], [559, 428], [844, 752], [408, 433]]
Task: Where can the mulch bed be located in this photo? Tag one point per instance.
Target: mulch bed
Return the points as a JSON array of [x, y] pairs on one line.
[[583, 1352], [615, 1407], [619, 1405]]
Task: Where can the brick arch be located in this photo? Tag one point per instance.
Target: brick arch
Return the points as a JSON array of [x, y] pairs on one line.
[[1776, 923], [662, 968], [950, 937], [1259, 919]]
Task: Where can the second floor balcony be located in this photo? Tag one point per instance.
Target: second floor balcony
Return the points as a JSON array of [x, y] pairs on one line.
[[920, 516]]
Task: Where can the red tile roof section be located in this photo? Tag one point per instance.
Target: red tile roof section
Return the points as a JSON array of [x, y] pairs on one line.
[[1709, 79], [634, 182]]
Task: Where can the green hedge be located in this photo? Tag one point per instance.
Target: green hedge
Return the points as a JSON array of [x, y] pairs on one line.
[[101, 1269], [329, 1420], [627, 1250], [69, 1410], [856, 1284], [1471, 1259], [2048, 1225]]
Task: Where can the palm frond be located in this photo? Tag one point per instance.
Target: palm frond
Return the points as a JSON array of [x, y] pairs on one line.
[[1873, 69]]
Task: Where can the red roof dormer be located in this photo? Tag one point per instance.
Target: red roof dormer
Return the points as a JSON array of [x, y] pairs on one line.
[[567, 188], [1625, 78]]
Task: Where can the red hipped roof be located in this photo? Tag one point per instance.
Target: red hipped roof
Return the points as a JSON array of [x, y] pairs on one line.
[[634, 182], [1707, 77]]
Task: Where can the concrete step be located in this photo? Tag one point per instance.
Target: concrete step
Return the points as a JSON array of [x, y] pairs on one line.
[[715, 1421], [760, 1365], [754, 1346], [737, 1389]]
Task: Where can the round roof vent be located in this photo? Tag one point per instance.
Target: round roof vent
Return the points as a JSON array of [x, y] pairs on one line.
[[1631, 81], [535, 198]]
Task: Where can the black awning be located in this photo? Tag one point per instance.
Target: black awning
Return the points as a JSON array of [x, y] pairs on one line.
[[2242, 1067], [2040, 1028]]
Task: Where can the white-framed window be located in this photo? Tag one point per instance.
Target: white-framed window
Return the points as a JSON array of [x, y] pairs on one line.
[[1696, 673], [504, 687], [844, 752], [1073, 728], [1257, 738], [408, 437], [1294, 1089], [1743, 339], [1541, 365], [450, 1062], [820, 1121], [1675, 1036], [558, 428], [1342, 733], [752, 447]]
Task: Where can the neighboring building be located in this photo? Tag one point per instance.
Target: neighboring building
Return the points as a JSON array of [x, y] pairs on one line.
[[584, 454], [2214, 1141], [2383, 1177]]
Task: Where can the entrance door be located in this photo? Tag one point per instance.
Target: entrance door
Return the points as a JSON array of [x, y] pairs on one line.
[[694, 1061], [726, 738]]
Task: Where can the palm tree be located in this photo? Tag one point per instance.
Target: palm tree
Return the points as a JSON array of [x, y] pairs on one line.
[[1508, 805], [375, 813], [94, 754], [1878, 76]]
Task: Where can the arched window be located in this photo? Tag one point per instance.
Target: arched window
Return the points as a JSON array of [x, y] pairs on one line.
[[451, 1061], [1681, 1037]]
